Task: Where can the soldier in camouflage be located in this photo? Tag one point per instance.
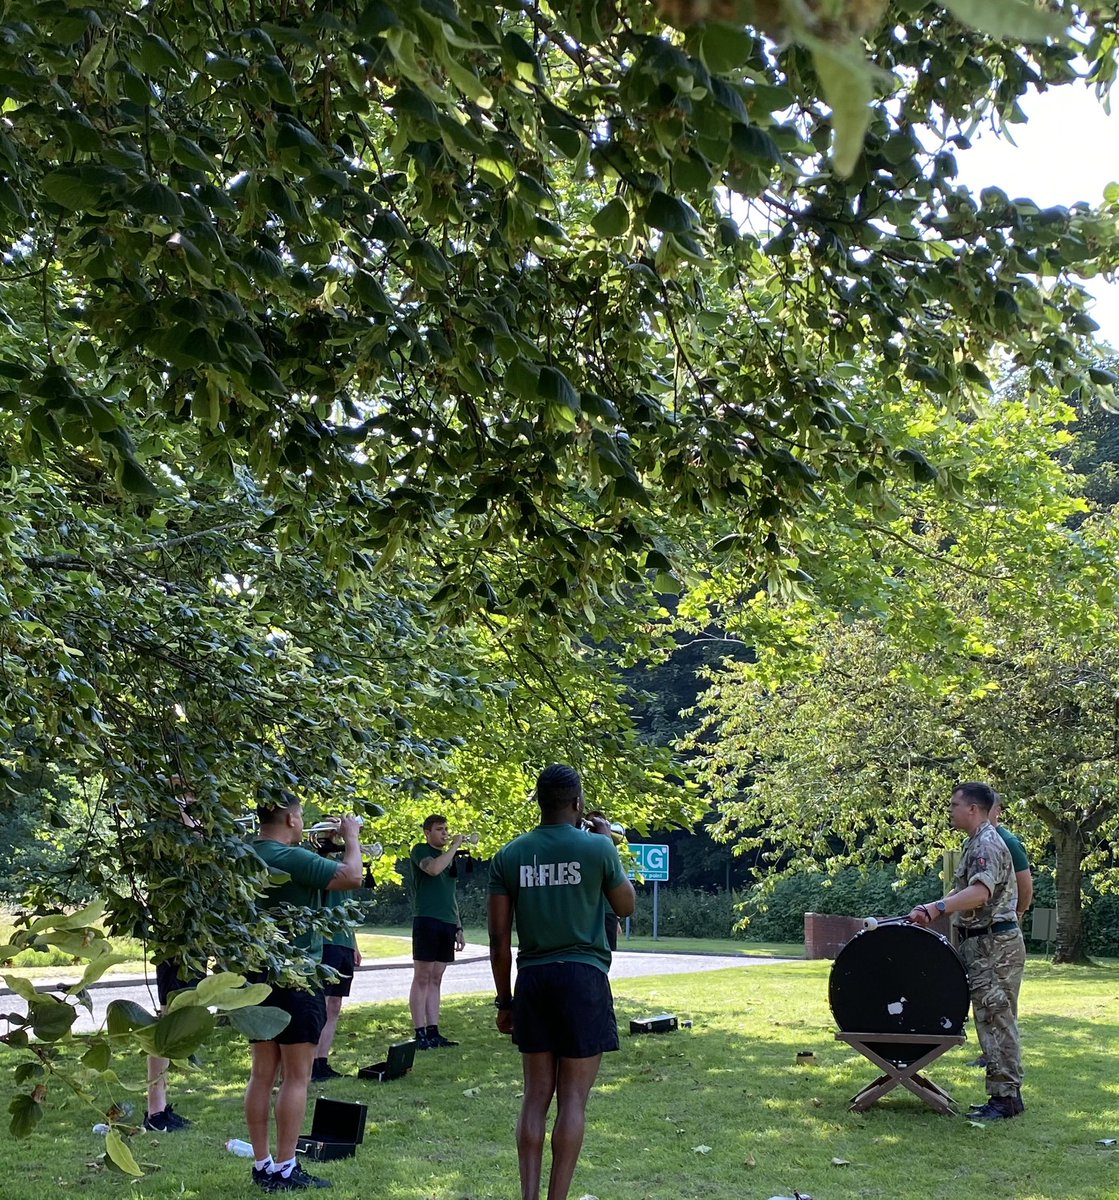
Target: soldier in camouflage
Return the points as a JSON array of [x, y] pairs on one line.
[[983, 902]]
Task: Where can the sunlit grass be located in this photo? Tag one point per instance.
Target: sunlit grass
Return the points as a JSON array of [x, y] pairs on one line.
[[721, 1110]]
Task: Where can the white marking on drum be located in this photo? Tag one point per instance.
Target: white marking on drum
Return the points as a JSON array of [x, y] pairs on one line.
[[945, 1022], [897, 1008]]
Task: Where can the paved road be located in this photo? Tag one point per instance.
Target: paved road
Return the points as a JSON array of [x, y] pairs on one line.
[[390, 979]]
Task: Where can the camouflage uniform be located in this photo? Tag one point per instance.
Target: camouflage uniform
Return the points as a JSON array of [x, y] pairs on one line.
[[994, 960]]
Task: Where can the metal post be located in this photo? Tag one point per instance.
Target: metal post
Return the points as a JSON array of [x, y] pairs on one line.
[[656, 908]]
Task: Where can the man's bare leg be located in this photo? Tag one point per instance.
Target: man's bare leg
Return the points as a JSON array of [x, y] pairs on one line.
[[540, 1085], [157, 1083], [574, 1079], [291, 1100], [258, 1095], [326, 1039], [423, 996]]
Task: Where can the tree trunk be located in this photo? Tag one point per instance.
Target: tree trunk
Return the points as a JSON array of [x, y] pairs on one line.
[[1068, 840]]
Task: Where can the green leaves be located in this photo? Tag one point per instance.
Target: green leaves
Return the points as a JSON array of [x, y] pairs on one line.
[[26, 1114], [177, 1034], [670, 214], [1021, 20], [612, 219], [847, 80], [261, 1023]]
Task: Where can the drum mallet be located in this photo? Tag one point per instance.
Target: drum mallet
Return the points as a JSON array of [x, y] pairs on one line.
[[874, 922]]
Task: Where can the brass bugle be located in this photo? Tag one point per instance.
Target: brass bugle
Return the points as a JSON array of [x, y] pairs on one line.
[[617, 832]]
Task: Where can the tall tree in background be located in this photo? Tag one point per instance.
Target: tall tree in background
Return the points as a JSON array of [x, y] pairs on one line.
[[982, 645]]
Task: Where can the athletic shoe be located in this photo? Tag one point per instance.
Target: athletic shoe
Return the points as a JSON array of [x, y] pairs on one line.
[[297, 1181], [973, 1108], [998, 1108], [326, 1071], [981, 1061], [438, 1041], [423, 1042], [167, 1121], [263, 1179]]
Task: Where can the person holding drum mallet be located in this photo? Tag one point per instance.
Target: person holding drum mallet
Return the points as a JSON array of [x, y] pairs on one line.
[[983, 903]]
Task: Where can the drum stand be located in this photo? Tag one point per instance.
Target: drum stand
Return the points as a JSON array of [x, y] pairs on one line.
[[906, 1074]]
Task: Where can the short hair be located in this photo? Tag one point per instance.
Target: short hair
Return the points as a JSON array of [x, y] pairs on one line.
[[980, 794], [270, 811], [433, 820], [557, 786]]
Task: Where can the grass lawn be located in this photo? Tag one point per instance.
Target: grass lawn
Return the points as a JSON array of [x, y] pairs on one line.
[[720, 1110]]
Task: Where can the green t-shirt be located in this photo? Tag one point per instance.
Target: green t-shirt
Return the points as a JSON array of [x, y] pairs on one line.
[[433, 895], [309, 875], [1018, 856], [344, 934], [558, 877]]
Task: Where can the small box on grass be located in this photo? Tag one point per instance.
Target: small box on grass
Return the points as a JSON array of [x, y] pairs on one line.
[[337, 1129], [661, 1023], [398, 1063]]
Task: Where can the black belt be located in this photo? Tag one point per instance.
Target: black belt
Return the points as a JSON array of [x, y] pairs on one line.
[[997, 927]]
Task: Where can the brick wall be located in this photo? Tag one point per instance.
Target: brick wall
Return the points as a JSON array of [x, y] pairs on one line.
[[825, 935]]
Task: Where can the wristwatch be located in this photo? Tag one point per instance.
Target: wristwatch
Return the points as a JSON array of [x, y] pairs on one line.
[[502, 1005], [940, 907]]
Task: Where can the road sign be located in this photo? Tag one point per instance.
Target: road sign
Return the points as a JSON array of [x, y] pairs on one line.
[[652, 862]]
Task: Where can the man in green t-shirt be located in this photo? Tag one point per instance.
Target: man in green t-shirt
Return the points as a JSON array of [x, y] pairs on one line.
[[556, 881], [436, 928], [293, 1049]]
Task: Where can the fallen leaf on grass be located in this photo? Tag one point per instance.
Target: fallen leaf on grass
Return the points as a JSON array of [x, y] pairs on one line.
[[751, 1161], [472, 1092], [840, 1162], [702, 1149]]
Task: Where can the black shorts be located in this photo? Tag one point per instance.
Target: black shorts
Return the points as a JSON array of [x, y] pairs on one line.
[[341, 958], [433, 940], [306, 1009], [565, 1009], [169, 980]]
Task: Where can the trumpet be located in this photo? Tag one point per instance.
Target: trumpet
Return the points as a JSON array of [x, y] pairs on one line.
[[325, 838], [617, 832]]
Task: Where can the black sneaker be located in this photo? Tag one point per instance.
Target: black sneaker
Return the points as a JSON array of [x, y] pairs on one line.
[[263, 1178], [326, 1071], [981, 1061], [297, 1181], [423, 1042], [998, 1108], [167, 1121], [438, 1041]]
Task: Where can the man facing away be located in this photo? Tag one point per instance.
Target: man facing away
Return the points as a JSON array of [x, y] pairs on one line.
[[293, 1048], [984, 903], [556, 881], [436, 928]]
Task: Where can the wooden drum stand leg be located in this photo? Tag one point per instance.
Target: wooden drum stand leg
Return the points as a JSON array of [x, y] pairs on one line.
[[908, 1075]]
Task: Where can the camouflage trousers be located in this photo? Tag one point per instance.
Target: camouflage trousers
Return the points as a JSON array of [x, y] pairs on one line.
[[994, 971]]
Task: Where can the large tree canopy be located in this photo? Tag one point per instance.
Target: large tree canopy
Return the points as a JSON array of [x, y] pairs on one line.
[[502, 283], [980, 645]]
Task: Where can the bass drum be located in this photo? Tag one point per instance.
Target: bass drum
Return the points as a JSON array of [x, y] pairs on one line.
[[899, 979]]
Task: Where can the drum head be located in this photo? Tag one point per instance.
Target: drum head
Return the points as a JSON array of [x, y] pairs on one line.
[[899, 979]]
